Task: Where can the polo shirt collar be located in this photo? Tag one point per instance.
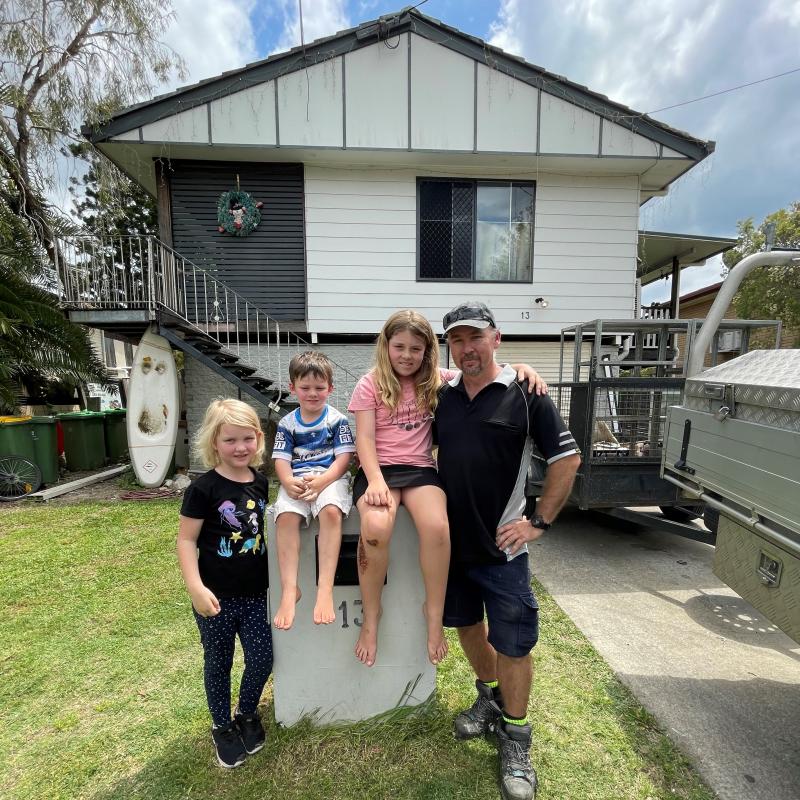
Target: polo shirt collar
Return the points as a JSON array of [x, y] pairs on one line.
[[506, 377]]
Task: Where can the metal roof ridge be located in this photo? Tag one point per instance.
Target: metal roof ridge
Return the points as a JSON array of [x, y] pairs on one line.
[[404, 21]]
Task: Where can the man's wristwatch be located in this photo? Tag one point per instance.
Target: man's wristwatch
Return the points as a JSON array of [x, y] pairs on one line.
[[537, 521]]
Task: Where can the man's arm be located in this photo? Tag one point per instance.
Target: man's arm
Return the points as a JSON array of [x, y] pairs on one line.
[[557, 486]]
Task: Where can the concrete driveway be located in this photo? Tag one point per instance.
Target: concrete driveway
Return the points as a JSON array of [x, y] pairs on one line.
[[722, 681]]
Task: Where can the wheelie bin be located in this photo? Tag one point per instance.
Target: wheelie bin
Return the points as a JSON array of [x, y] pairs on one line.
[[84, 439], [16, 438], [116, 433], [45, 448]]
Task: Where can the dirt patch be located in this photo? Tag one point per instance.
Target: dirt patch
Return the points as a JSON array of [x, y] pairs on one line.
[[110, 490]]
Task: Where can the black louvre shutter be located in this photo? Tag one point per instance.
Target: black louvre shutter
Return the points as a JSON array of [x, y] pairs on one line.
[[268, 266]]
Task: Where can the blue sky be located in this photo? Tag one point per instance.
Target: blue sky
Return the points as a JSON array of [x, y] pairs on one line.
[[646, 54]]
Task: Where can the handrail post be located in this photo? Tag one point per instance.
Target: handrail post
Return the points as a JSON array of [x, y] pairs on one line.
[[150, 278]]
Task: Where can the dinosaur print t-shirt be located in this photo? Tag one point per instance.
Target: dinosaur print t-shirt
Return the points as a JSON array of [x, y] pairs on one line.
[[232, 543]]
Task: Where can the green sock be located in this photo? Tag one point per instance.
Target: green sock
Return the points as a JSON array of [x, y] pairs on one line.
[[515, 720], [491, 684]]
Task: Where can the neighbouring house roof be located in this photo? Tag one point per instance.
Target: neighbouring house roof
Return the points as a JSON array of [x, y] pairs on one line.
[[657, 251], [675, 151]]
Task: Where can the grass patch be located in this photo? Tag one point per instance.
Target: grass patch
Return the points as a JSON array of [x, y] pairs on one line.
[[101, 686]]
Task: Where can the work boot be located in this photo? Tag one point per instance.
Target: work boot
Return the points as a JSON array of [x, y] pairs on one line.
[[481, 717], [517, 776]]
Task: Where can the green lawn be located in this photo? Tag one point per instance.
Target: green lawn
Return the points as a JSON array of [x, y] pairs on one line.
[[102, 696]]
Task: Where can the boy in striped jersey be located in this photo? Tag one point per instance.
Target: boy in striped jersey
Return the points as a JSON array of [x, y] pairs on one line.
[[312, 451]]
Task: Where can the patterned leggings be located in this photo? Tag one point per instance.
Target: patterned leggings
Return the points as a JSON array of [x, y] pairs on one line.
[[248, 617]]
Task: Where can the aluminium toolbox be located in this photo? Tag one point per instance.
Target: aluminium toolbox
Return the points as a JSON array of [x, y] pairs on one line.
[[737, 437]]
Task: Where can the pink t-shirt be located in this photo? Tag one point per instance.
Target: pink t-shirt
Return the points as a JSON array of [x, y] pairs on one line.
[[403, 436]]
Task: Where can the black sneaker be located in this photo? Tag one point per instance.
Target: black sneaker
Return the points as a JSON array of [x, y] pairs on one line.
[[251, 730], [481, 717], [517, 776], [228, 744]]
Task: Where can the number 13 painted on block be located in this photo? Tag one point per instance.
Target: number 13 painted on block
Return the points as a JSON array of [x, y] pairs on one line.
[[343, 609]]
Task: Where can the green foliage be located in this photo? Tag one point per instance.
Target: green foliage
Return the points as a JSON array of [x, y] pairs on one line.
[[106, 201], [65, 62], [37, 343], [769, 292]]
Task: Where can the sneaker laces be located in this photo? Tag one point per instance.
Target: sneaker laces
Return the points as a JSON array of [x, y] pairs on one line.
[[516, 757]]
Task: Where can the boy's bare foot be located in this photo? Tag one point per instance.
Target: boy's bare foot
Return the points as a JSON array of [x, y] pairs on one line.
[[367, 644], [437, 644], [323, 610], [285, 617]]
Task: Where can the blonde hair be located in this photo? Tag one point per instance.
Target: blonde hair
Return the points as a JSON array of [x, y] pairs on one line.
[[427, 380], [227, 412]]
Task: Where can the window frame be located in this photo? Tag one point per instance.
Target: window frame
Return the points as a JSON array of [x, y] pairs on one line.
[[475, 183]]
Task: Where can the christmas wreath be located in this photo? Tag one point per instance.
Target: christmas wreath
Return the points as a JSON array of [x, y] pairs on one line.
[[237, 213]]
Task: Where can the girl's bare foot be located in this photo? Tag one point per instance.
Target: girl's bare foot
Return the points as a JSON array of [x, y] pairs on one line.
[[367, 644], [285, 617], [323, 610], [437, 643]]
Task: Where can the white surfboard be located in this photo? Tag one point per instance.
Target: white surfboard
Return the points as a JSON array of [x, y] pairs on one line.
[[153, 409]]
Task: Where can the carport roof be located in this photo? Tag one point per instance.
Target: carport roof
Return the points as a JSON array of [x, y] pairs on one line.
[[657, 251]]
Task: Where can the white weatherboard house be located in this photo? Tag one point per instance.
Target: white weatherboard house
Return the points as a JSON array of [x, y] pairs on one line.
[[401, 163]]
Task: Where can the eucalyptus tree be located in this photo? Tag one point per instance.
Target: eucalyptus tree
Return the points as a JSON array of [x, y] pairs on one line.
[[769, 292], [66, 63]]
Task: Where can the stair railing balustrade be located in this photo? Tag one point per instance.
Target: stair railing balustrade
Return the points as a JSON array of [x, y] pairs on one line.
[[142, 273]]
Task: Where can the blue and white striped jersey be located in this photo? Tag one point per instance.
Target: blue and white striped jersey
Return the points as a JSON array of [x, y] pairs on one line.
[[313, 446]]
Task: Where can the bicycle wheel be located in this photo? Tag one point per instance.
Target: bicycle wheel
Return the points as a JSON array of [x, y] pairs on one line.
[[18, 477]]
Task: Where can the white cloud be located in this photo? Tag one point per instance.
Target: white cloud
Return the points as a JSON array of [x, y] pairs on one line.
[[502, 32], [648, 55], [212, 36], [320, 18]]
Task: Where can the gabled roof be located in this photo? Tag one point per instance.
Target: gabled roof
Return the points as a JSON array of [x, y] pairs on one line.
[[386, 28]]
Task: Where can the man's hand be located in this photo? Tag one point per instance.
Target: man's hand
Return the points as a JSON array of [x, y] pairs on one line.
[[513, 535]]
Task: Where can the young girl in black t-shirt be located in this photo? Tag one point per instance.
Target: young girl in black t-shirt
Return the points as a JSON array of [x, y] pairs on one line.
[[223, 557]]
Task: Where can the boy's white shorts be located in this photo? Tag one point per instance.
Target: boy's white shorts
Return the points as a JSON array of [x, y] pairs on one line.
[[336, 494]]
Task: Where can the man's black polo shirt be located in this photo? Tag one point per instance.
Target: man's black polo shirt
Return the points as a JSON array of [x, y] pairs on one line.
[[485, 447]]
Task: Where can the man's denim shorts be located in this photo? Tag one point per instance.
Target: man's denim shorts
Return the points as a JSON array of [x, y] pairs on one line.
[[504, 592]]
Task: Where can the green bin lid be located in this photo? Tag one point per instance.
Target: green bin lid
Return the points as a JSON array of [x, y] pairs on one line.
[[44, 420], [80, 415]]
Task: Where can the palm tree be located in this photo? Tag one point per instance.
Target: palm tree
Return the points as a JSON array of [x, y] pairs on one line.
[[37, 342]]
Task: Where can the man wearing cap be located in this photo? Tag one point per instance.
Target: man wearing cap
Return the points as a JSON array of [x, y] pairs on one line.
[[487, 424]]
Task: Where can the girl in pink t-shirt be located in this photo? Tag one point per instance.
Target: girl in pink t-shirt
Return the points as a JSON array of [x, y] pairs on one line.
[[393, 406]]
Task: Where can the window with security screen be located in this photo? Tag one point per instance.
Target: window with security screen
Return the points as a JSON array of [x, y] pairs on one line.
[[475, 230]]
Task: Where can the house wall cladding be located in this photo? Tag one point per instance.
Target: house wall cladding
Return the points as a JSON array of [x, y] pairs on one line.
[[361, 227], [268, 266]]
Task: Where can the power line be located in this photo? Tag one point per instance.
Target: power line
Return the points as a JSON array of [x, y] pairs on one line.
[[725, 91]]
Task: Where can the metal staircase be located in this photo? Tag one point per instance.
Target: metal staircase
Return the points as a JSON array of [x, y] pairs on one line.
[[127, 284]]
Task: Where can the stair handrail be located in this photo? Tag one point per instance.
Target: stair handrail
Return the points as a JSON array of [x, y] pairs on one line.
[[163, 284]]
